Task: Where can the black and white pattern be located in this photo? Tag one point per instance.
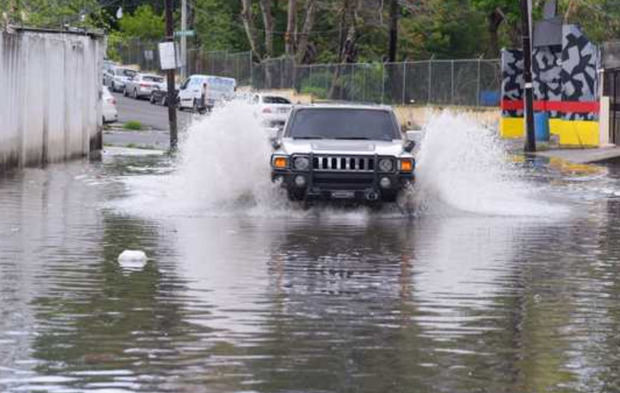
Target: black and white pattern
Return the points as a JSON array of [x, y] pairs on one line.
[[512, 79], [580, 60], [546, 70], [566, 73]]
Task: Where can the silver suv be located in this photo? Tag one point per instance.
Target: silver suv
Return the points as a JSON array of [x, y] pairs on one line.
[[333, 152]]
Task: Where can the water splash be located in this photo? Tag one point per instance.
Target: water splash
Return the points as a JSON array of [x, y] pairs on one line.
[[223, 169], [462, 165]]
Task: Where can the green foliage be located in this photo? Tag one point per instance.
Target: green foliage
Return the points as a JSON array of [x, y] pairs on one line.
[[217, 25], [144, 23], [115, 40], [56, 13], [133, 125]]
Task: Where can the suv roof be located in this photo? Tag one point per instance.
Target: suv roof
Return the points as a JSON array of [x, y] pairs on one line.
[[345, 106]]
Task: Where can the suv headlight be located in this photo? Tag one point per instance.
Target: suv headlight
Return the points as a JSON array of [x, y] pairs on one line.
[[279, 162], [301, 163], [386, 165]]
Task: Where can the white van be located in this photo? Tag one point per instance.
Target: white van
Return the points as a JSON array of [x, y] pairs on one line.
[[218, 89]]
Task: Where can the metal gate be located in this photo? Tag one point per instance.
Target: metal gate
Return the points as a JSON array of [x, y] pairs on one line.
[[612, 90]]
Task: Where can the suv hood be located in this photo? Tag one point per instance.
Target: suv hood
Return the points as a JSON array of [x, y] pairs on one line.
[[338, 146]]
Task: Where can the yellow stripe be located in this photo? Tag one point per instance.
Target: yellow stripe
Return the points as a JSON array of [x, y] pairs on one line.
[[578, 133], [511, 127]]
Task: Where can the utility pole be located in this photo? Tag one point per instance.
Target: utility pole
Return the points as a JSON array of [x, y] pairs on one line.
[[528, 91], [183, 39], [172, 102]]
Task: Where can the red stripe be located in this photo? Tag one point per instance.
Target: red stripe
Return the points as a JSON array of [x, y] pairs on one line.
[[560, 106]]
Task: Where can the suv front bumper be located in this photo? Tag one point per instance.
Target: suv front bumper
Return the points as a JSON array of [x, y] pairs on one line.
[[367, 187]]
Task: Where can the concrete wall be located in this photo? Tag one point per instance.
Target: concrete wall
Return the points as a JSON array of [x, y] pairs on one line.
[[50, 96]]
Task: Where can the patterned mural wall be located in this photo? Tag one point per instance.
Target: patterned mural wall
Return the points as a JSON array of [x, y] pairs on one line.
[[565, 82], [580, 60]]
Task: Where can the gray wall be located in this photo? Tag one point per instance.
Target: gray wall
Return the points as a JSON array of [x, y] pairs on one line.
[[50, 96]]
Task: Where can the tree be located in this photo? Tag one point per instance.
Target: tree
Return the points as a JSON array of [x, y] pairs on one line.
[[289, 39], [500, 12], [143, 24], [393, 41]]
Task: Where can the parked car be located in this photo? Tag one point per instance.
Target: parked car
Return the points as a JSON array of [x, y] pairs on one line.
[[353, 153], [141, 85], [218, 89], [107, 66], [117, 78], [109, 112], [160, 96], [271, 110]]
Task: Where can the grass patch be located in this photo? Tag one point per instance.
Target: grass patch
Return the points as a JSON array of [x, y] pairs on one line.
[[133, 125]]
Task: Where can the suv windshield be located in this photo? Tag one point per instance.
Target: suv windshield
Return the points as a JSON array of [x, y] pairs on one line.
[[343, 123], [275, 100]]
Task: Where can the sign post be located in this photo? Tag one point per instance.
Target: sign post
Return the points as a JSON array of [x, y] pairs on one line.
[[168, 59]]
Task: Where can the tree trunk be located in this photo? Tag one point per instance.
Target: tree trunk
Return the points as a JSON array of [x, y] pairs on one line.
[[348, 40], [290, 39], [495, 19], [248, 24], [394, 12], [302, 44], [265, 6]]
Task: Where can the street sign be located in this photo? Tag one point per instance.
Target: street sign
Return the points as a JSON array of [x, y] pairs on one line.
[[167, 55], [184, 33]]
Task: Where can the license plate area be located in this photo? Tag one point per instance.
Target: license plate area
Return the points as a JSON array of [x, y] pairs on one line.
[[343, 194]]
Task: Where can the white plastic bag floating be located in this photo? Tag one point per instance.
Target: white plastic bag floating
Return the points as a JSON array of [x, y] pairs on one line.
[[132, 259]]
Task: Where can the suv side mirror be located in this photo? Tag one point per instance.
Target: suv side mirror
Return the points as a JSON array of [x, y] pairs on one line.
[[413, 138], [274, 133]]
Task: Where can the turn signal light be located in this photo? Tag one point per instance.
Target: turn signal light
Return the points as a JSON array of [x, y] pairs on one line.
[[280, 162], [406, 165]]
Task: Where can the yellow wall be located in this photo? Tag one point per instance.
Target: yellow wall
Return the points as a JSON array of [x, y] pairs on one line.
[[579, 133], [511, 127], [571, 133]]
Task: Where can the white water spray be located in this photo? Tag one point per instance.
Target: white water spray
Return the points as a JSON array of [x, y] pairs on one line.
[[223, 168], [464, 166]]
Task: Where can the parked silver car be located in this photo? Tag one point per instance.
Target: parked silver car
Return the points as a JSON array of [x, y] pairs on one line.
[[142, 85], [116, 78]]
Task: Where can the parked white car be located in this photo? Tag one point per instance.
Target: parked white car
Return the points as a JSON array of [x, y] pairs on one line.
[[217, 89], [271, 110], [109, 112], [141, 85], [118, 77]]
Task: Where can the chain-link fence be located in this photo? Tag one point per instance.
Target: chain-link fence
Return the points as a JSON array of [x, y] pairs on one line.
[[236, 65], [141, 53], [472, 82]]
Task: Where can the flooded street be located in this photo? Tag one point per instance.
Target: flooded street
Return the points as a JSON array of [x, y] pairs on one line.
[[259, 296]]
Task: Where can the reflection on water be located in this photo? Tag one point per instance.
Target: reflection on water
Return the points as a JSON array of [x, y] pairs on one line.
[[359, 302]]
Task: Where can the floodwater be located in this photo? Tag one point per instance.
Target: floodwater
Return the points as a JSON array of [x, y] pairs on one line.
[[506, 279]]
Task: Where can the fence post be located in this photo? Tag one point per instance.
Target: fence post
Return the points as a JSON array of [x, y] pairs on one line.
[[478, 85], [404, 81], [382, 81], [251, 69], [452, 82], [430, 79]]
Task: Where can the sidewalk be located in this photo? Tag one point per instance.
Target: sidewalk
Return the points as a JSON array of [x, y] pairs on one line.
[[574, 155]]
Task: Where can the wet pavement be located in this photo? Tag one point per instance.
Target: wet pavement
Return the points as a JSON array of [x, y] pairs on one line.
[[330, 302], [505, 279]]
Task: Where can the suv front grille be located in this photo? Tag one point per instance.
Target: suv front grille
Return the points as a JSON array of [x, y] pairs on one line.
[[343, 163]]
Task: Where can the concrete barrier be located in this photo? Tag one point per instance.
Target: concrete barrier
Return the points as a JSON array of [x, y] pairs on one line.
[[50, 96]]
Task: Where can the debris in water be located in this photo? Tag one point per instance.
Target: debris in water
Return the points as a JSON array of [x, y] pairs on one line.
[[132, 259]]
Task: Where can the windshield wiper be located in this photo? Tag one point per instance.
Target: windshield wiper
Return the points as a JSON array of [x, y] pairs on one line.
[[308, 137], [356, 138]]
